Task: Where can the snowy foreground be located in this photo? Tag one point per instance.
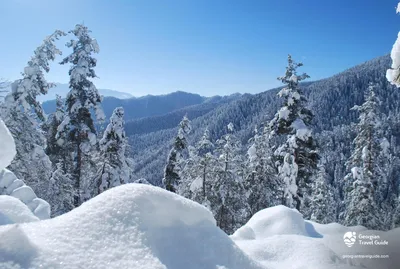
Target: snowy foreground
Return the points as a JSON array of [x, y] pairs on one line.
[[141, 226]]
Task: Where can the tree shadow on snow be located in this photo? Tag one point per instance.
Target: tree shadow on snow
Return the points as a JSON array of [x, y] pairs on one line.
[[197, 246], [311, 231]]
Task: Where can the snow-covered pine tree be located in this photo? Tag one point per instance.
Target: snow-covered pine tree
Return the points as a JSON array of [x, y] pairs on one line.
[[175, 162], [229, 204], [77, 133], [197, 172], [297, 157], [388, 187], [260, 179], [23, 115], [322, 201], [114, 169], [361, 199], [24, 91], [61, 190]]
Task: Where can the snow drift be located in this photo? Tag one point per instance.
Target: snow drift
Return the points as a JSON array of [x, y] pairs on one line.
[[11, 185], [278, 237], [141, 226], [12, 210], [131, 226]]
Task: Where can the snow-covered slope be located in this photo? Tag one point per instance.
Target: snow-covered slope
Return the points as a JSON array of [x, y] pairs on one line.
[[131, 226]]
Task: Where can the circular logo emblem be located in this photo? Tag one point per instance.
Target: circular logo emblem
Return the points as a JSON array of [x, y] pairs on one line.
[[349, 238]]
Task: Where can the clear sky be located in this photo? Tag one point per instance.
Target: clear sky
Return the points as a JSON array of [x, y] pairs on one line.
[[204, 46]]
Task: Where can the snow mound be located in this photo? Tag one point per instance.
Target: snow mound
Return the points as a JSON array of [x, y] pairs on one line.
[[279, 238], [130, 226], [272, 221], [11, 185], [13, 211], [7, 146]]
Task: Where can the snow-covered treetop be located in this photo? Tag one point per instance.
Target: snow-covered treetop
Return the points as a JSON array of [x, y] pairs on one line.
[[228, 145], [83, 92], [184, 129], [230, 127], [291, 78], [294, 107], [115, 129], [205, 146], [24, 91], [369, 109]]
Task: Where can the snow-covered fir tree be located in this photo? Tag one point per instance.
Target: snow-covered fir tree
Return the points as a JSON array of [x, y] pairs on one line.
[[260, 182], [77, 133], [24, 91], [322, 201], [114, 169], [197, 173], [61, 190], [361, 199], [229, 204], [297, 157], [175, 162], [23, 115], [388, 181]]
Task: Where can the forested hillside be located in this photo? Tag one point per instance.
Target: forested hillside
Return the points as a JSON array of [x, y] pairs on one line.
[[330, 100]]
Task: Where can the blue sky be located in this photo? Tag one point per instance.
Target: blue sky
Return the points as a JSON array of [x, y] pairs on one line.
[[204, 46]]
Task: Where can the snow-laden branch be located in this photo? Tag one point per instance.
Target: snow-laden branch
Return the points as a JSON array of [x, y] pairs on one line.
[[393, 74]]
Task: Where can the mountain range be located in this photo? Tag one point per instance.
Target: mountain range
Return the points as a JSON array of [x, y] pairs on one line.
[[63, 89]]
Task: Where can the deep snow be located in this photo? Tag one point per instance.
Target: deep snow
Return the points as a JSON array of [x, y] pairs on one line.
[[142, 226], [278, 237], [131, 226]]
